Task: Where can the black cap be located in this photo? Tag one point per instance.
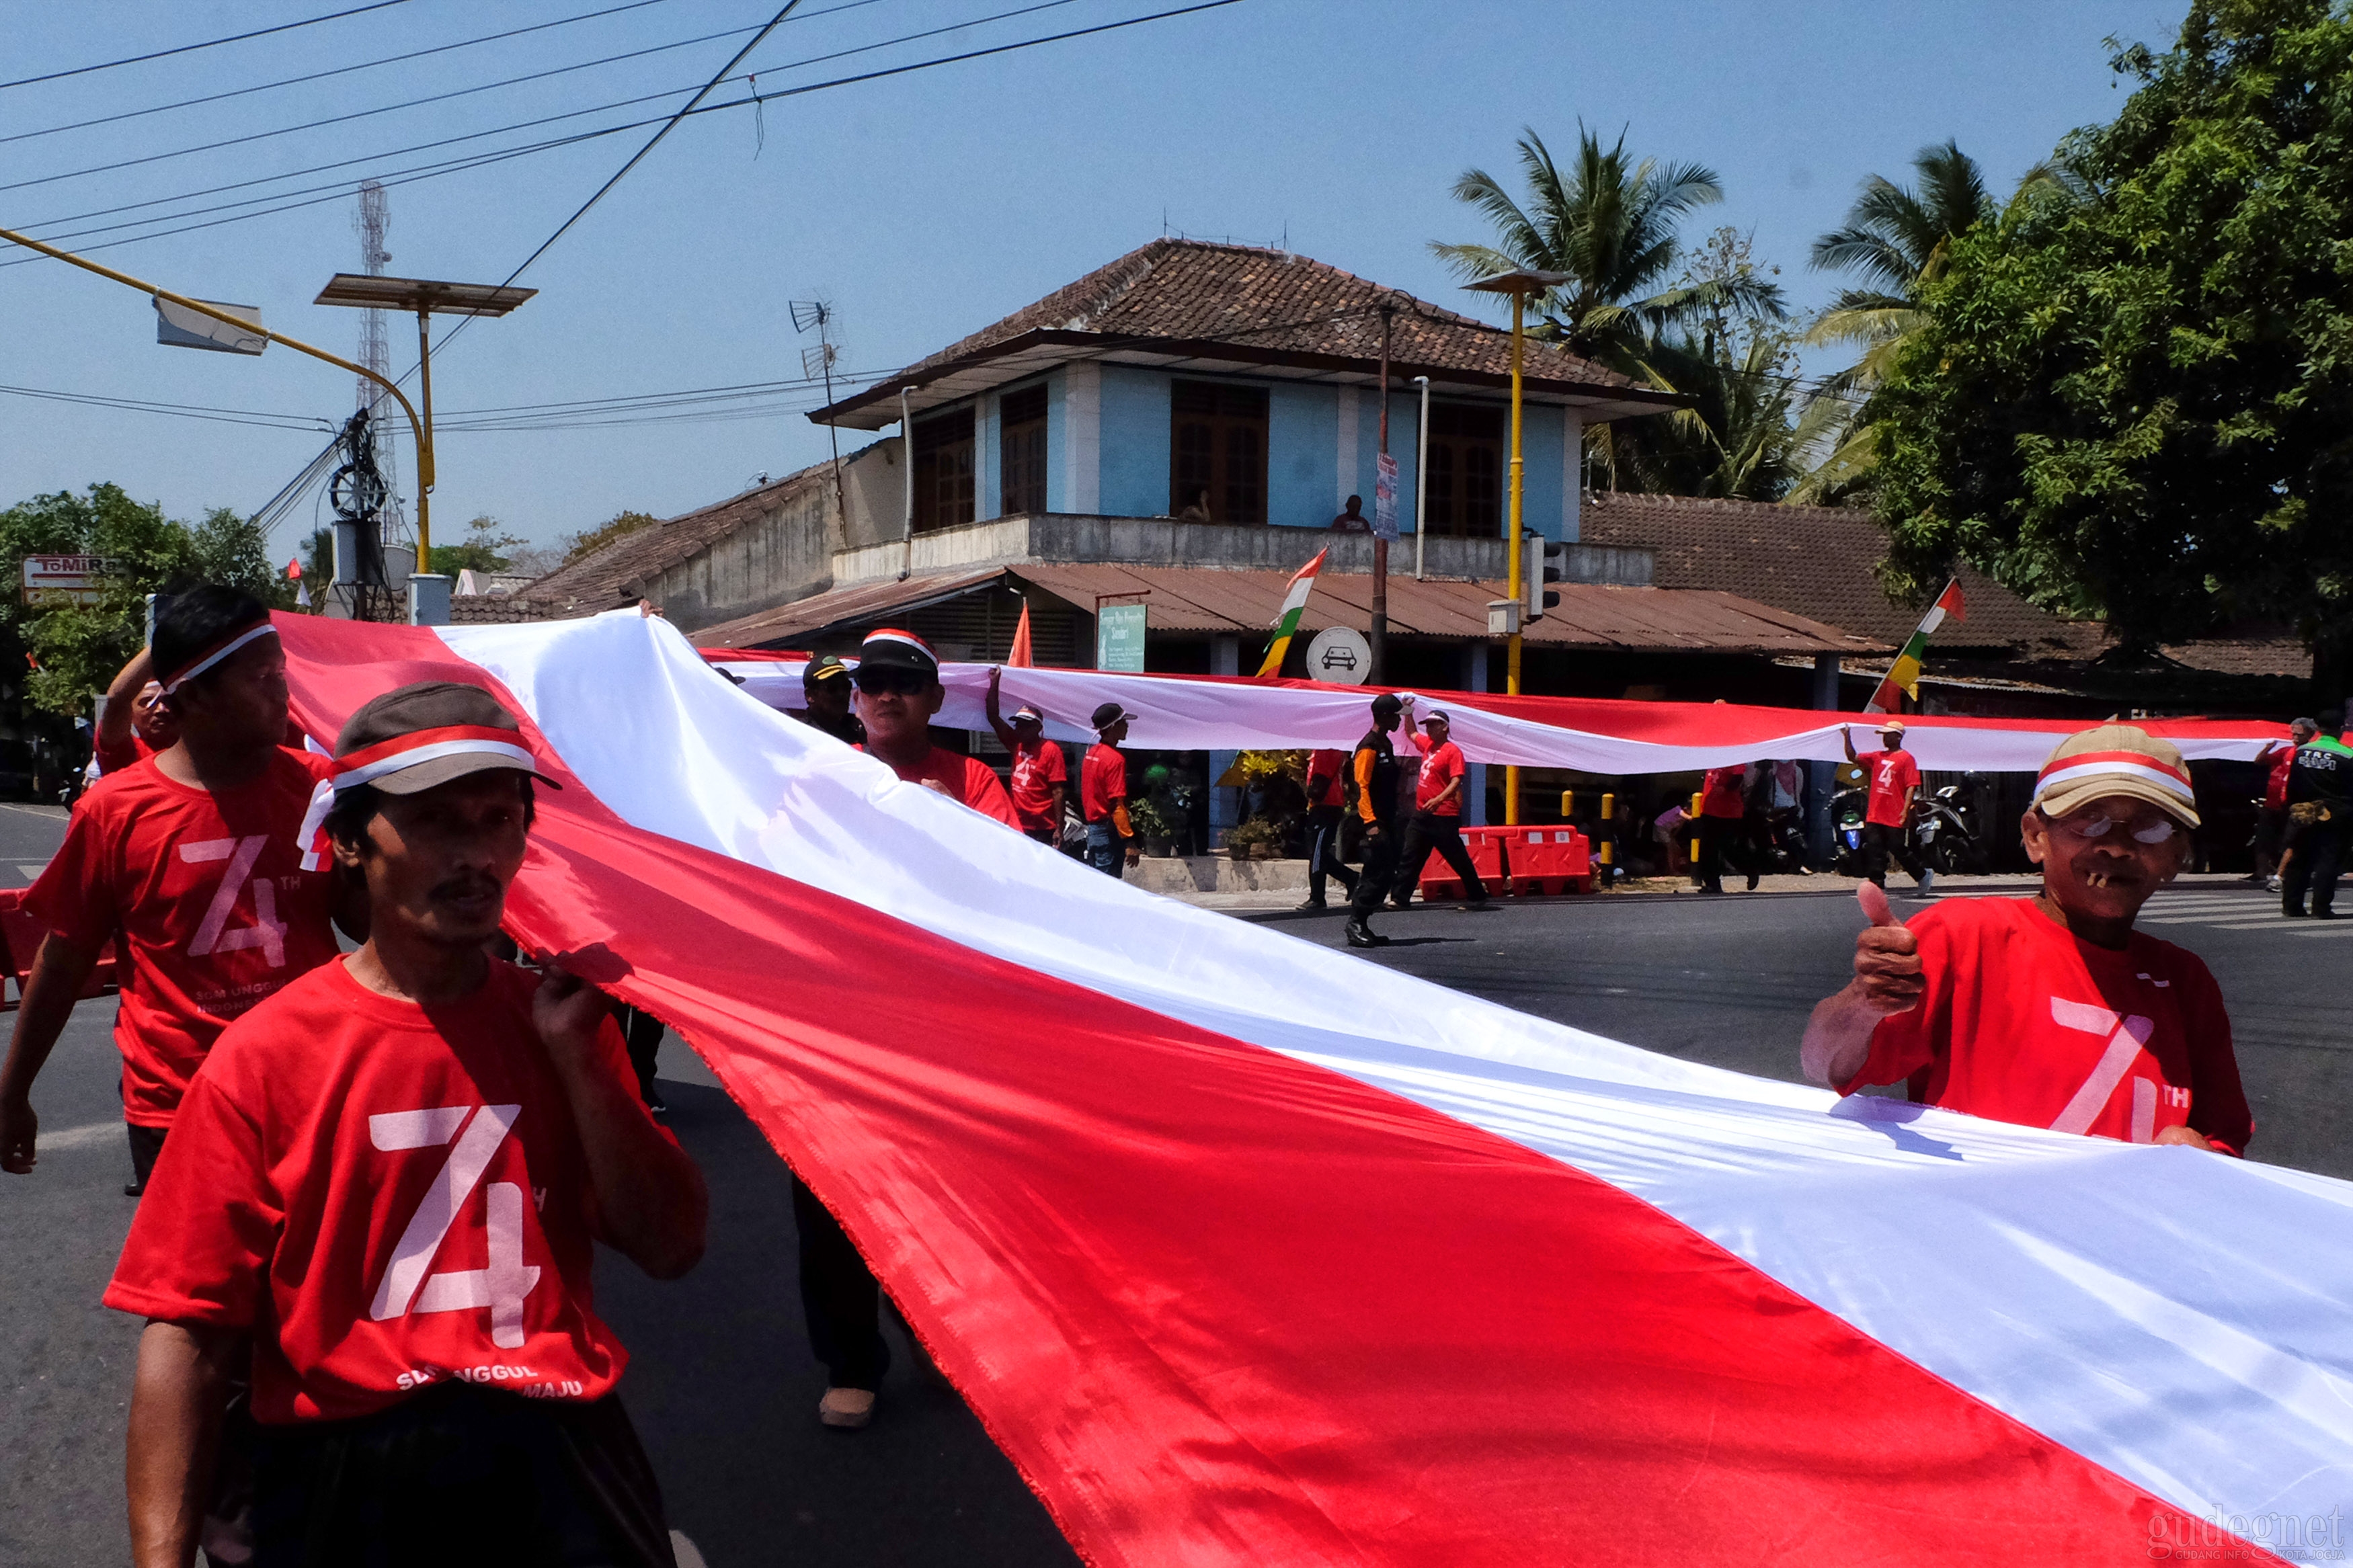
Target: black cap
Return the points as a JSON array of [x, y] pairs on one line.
[[824, 667], [450, 728], [1107, 715], [888, 647], [1387, 706]]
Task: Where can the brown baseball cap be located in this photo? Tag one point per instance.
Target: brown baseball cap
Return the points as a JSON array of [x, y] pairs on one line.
[[2116, 759], [415, 737]]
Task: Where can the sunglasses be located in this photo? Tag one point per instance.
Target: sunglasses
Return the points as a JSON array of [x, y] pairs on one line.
[[906, 682], [2154, 831]]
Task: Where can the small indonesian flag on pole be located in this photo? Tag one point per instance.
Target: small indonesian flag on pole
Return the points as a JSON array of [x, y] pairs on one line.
[[301, 589], [1904, 674], [1294, 600]]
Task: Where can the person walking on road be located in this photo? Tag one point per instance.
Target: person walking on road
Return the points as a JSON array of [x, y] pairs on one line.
[[1438, 813], [2320, 804], [1893, 780], [2271, 840], [1722, 808], [1326, 800], [1103, 794], [1373, 792], [1040, 777]]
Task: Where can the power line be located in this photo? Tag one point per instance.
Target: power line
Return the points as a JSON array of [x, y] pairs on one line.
[[207, 43], [261, 418], [332, 71]]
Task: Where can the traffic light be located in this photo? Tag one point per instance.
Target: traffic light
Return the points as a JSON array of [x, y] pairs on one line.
[[1547, 563]]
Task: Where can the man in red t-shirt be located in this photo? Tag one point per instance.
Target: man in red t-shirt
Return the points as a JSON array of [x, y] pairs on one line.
[[1326, 800], [1437, 822], [1893, 779], [134, 722], [1102, 793], [1040, 777], [2053, 1011], [1723, 802], [195, 860], [386, 1178], [2271, 822], [899, 691]]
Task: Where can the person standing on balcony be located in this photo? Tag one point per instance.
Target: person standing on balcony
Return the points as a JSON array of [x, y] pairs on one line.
[[1352, 518]]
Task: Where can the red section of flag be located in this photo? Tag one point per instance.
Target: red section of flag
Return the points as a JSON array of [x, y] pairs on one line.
[[1949, 601], [1021, 657], [1220, 1307], [294, 569]]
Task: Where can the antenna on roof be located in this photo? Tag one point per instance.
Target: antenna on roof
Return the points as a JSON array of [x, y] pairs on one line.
[[817, 363]]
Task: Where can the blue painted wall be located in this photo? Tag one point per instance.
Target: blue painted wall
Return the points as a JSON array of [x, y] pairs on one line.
[[988, 489], [1135, 473], [1057, 441], [1302, 455]]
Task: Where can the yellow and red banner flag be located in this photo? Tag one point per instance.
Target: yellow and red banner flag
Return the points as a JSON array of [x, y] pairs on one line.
[[1904, 674]]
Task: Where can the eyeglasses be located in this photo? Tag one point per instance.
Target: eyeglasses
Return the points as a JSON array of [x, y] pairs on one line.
[[906, 682], [2154, 831]]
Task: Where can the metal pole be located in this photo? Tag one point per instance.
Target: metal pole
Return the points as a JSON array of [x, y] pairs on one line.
[[423, 447], [907, 488], [1512, 532], [1422, 479], [424, 436], [1380, 637]]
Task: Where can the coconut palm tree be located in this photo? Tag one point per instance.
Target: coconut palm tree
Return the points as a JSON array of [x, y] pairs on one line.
[[1897, 242], [1613, 225]]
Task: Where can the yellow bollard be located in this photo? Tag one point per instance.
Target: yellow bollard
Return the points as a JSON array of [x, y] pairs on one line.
[[1609, 808], [1696, 798], [1567, 804]]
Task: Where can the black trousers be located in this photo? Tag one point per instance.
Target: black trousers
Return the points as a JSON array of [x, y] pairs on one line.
[[2319, 859], [839, 1298], [1879, 842], [1374, 882], [644, 1033], [1428, 832], [1323, 852], [146, 1145], [1714, 833], [463, 1475]]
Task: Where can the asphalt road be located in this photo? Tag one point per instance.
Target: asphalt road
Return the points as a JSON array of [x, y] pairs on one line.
[[722, 1386]]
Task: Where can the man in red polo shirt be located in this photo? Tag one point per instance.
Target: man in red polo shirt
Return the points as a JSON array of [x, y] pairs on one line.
[[385, 1179], [1437, 822], [2053, 1011], [2271, 822], [1040, 776], [135, 722], [899, 691], [195, 859], [1102, 793], [1723, 803], [1893, 779]]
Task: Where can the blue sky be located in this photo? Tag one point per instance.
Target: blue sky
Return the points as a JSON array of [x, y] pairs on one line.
[[922, 205]]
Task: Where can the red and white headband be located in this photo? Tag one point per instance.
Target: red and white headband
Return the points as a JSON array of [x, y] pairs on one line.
[[905, 640], [217, 652], [417, 747], [2062, 772]]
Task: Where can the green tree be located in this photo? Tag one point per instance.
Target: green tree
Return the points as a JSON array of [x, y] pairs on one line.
[[1613, 225], [2136, 407], [587, 542], [484, 549]]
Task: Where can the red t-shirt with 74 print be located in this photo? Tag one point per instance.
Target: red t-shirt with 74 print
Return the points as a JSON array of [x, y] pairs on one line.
[[208, 891], [389, 1196]]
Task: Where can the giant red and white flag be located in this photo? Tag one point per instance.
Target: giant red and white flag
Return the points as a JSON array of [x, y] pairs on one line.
[[1248, 1252]]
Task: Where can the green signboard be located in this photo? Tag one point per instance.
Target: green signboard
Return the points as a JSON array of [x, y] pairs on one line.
[[1119, 637]]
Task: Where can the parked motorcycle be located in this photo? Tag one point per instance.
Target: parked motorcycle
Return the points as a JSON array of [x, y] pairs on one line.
[[1945, 832]]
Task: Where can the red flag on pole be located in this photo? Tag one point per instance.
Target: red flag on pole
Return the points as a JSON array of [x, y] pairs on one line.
[[1021, 657]]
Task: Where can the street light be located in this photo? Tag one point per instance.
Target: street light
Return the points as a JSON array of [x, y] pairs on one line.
[[428, 299], [1519, 284]]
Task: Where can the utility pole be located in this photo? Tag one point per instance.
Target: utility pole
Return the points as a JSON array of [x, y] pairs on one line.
[[359, 540], [1380, 637], [819, 362]]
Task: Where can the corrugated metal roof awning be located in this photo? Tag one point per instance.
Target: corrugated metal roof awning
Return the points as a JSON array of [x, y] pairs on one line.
[[867, 601]]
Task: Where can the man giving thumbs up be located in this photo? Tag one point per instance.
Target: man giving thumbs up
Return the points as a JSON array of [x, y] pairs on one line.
[[2053, 1011]]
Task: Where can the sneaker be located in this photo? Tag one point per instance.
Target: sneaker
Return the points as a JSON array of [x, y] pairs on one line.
[[1310, 904], [1476, 906], [847, 1408], [1926, 885], [2273, 886]]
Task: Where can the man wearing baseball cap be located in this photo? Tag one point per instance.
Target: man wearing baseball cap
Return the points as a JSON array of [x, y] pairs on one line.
[[1437, 822], [2053, 1011], [385, 1179], [1893, 778], [1102, 793], [899, 692], [1040, 776], [1373, 792], [825, 700]]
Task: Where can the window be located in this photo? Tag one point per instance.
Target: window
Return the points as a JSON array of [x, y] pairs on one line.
[[1021, 451], [1466, 470], [943, 470], [1216, 452]]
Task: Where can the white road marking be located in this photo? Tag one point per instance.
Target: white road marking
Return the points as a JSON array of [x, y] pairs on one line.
[[76, 1137]]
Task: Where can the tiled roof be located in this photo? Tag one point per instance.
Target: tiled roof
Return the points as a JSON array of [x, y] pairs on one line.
[[606, 580], [1818, 561], [1266, 302]]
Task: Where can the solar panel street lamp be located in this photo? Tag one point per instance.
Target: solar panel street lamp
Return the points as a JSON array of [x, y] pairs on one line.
[[1519, 284], [428, 299]]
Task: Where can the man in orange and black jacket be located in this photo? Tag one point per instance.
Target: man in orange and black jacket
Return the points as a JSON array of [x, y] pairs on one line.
[[1373, 794]]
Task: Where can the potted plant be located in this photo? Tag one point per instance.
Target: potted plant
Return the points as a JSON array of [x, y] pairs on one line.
[[1154, 824], [1253, 839]]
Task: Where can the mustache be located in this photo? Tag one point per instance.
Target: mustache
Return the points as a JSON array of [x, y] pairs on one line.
[[475, 885]]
